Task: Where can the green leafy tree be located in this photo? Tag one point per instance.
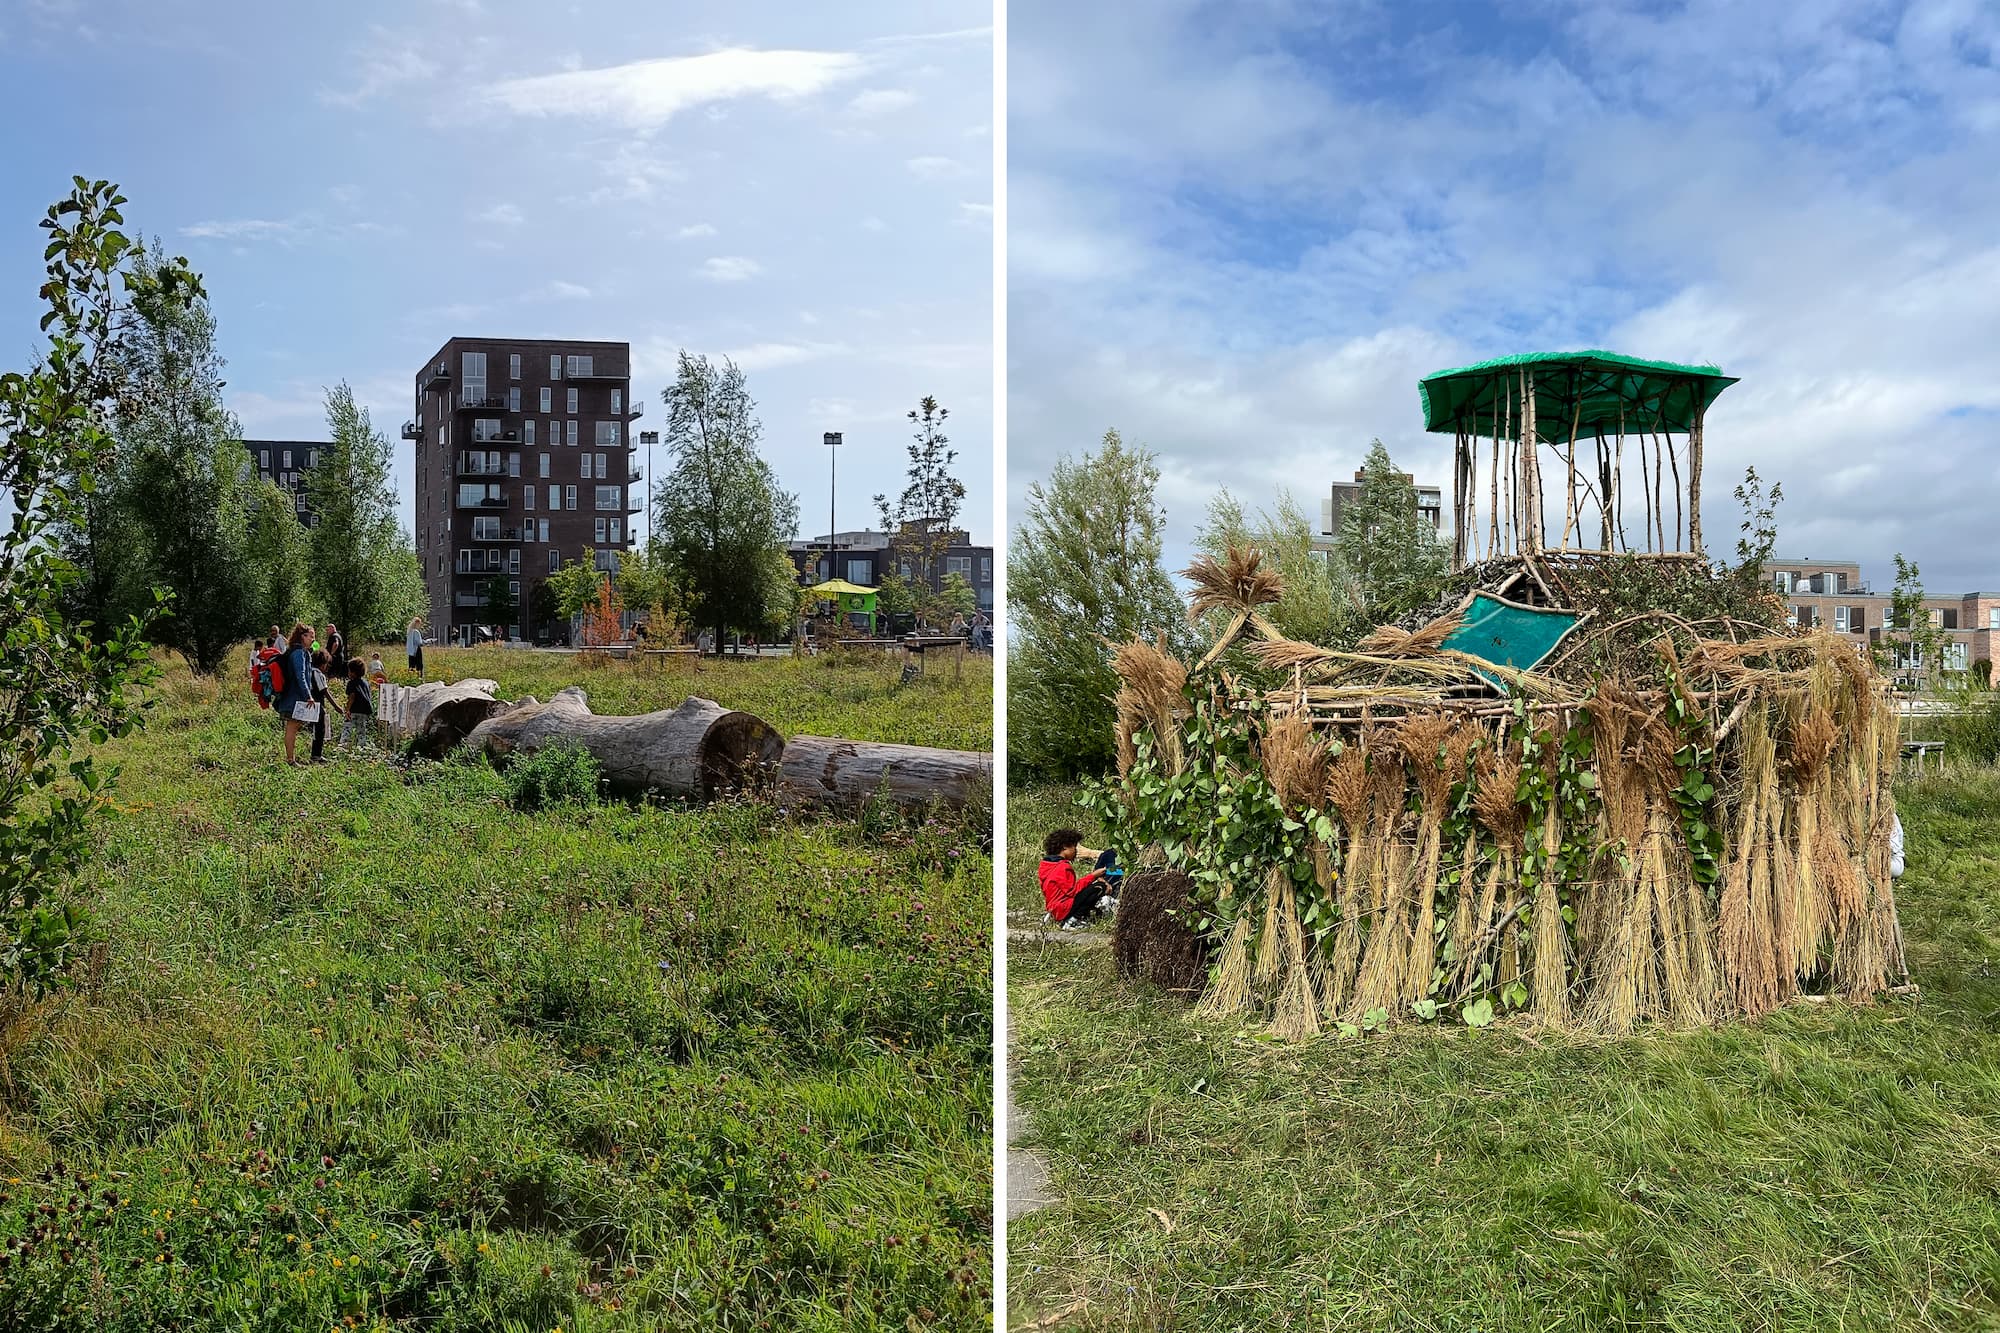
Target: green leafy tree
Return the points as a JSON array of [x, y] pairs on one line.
[[926, 513], [186, 476], [499, 598], [1913, 648], [720, 513], [276, 553], [1308, 610], [894, 594], [958, 598], [63, 683], [354, 536], [1387, 558], [1084, 573], [573, 588], [403, 592]]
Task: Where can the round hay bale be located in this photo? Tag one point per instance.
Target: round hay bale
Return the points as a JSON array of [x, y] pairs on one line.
[[1150, 938]]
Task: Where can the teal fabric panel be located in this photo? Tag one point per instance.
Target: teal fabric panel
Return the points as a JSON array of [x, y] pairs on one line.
[[1510, 636]]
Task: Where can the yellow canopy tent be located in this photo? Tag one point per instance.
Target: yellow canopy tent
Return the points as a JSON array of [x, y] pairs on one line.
[[851, 598]]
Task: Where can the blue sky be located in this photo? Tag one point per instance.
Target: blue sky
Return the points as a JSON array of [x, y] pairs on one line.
[[805, 187], [1242, 232]]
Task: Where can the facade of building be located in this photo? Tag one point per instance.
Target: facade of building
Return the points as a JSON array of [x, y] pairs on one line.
[[1831, 595], [1430, 507], [286, 462], [523, 464], [863, 558]]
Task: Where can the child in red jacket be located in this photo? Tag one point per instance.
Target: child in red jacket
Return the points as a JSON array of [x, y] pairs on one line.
[[1071, 900]]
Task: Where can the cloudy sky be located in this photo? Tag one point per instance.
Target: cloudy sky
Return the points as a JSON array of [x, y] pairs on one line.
[[1241, 232], [804, 187]]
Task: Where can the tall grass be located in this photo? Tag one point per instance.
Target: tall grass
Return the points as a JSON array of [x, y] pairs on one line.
[[367, 1047], [1831, 1167]]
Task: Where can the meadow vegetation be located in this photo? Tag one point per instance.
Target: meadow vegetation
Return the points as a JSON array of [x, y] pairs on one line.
[[403, 1045], [1829, 1167]]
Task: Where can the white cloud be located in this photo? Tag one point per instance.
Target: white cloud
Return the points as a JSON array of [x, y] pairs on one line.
[[872, 223], [976, 214], [559, 290], [695, 230], [936, 168], [646, 94], [771, 355], [729, 268], [244, 229], [881, 101], [502, 215], [384, 62]]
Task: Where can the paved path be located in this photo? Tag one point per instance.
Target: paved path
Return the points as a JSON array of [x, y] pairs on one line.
[[1027, 1174]]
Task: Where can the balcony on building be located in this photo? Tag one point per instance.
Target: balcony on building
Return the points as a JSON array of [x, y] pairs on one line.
[[480, 402], [635, 473], [586, 368], [638, 410], [411, 431], [437, 374], [497, 437], [469, 466], [493, 535]]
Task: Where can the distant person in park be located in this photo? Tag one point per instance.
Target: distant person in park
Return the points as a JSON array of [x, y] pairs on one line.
[[295, 703], [359, 725], [413, 644], [377, 673], [335, 645], [1071, 899]]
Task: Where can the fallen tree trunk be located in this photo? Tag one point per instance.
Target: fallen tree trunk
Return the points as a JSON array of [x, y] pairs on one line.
[[846, 775], [434, 717], [695, 751]]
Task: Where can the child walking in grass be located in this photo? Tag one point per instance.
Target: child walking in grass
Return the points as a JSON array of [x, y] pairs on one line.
[[1071, 899], [360, 722]]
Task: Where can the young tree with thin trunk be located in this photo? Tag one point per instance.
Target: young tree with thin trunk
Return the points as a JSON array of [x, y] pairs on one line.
[[277, 554], [1084, 571], [719, 513], [924, 518], [1387, 559], [185, 474], [354, 537], [1308, 610]]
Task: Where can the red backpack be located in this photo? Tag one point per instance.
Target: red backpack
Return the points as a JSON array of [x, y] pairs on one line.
[[267, 676]]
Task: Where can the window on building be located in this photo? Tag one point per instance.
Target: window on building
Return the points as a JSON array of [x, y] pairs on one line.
[[1783, 579], [569, 399], [960, 565], [582, 366], [514, 399], [486, 528], [986, 569], [616, 538], [478, 494], [858, 572], [569, 497], [485, 428], [555, 366], [617, 402], [1951, 618], [903, 569], [599, 537], [513, 562], [548, 399], [542, 464], [1840, 619], [607, 434], [312, 458], [1954, 657], [545, 530], [440, 437], [1993, 617], [527, 497], [602, 474], [607, 561], [288, 460], [583, 466], [1857, 619], [1937, 618], [569, 435], [513, 465], [528, 431], [513, 365], [472, 375], [611, 497]]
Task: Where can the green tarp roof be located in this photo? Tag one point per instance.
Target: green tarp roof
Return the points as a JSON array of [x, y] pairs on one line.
[[1589, 389], [1508, 634]]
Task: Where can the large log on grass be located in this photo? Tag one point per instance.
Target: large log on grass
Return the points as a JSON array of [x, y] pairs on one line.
[[695, 751], [435, 717], [847, 775]]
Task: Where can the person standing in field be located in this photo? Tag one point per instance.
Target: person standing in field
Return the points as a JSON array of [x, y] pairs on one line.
[[360, 720], [413, 644], [322, 696], [336, 648], [295, 699]]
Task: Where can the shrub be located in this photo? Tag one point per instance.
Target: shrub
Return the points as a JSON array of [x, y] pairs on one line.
[[562, 774]]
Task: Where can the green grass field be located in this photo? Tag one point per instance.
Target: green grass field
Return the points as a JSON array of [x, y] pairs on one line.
[[1831, 1167], [365, 1047], [853, 694]]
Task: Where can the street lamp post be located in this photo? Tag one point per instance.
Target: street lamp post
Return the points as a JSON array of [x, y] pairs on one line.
[[831, 439], [649, 438]]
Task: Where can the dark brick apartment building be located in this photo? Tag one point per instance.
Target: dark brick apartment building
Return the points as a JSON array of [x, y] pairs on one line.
[[523, 463], [286, 462], [1831, 595], [863, 558]]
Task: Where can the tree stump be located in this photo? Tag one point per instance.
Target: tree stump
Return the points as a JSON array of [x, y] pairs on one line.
[[695, 751], [1151, 940], [434, 717], [846, 775]]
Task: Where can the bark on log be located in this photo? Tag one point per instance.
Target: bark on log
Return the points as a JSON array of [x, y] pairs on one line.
[[434, 717], [694, 751], [846, 775]]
